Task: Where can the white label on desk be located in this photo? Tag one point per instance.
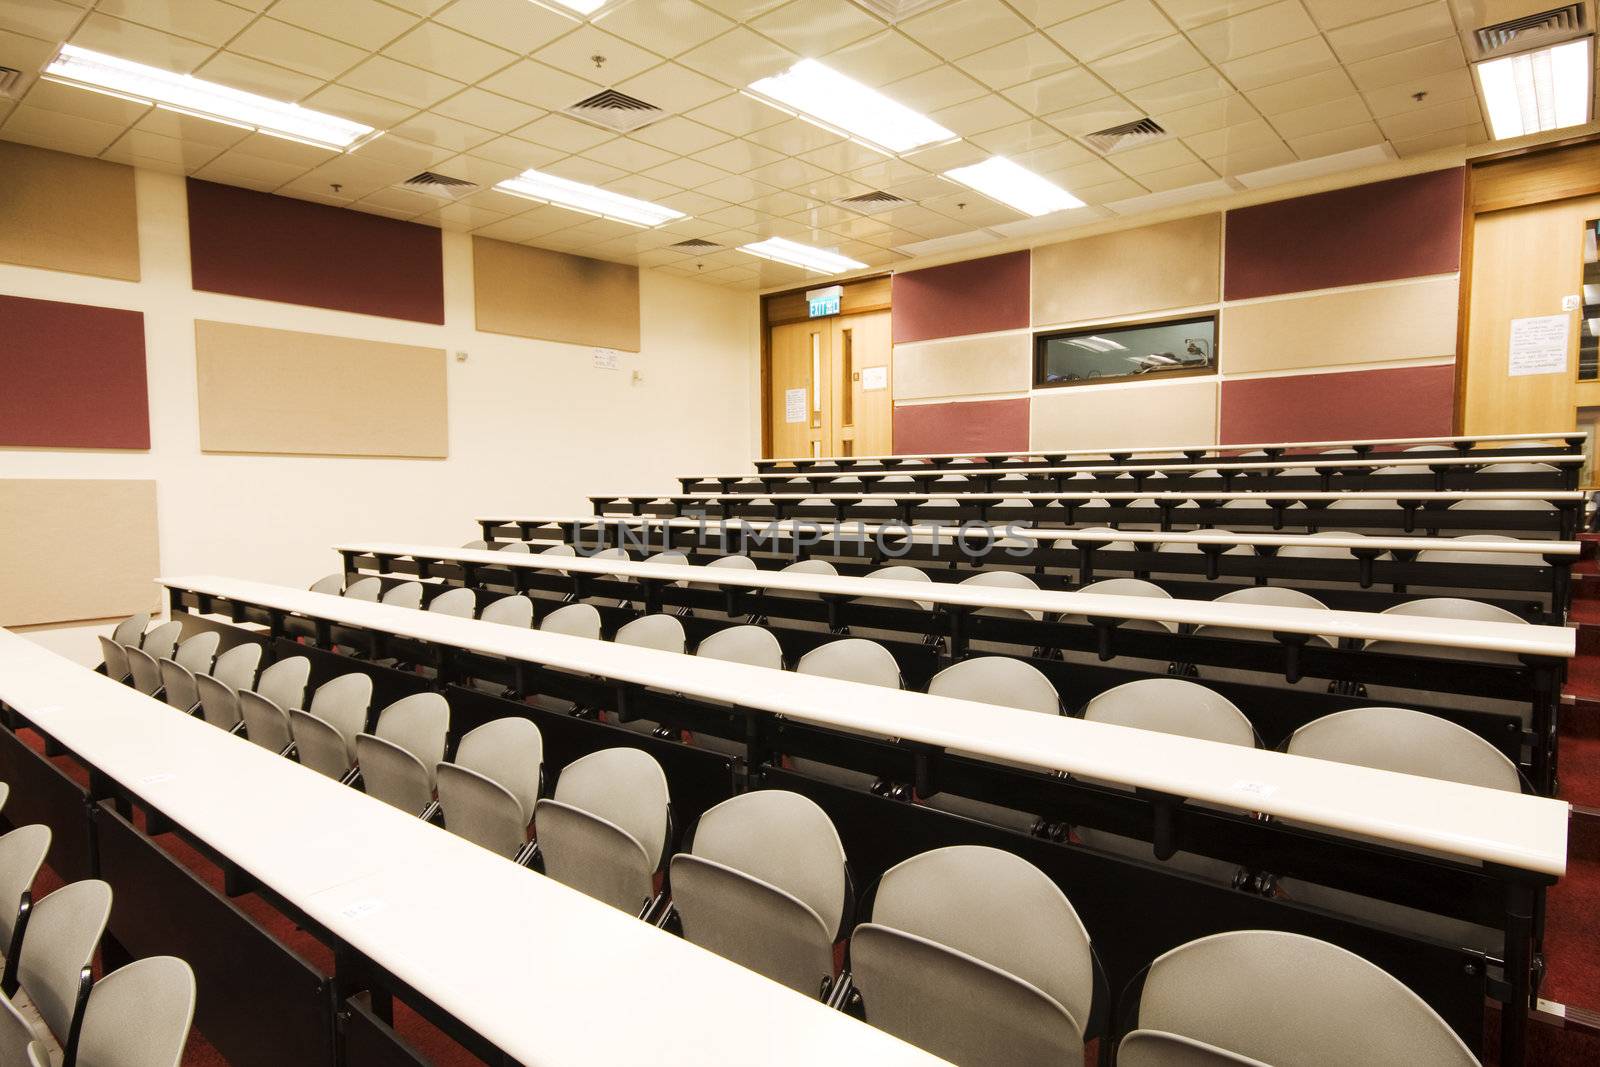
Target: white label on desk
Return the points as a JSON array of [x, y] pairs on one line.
[[794, 405], [607, 359], [157, 779], [362, 908], [874, 378], [1539, 345], [1255, 789]]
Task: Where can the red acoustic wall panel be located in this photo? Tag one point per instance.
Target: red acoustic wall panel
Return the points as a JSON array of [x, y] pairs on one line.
[[246, 243], [974, 296], [1400, 402], [71, 376], [1403, 228], [966, 426]]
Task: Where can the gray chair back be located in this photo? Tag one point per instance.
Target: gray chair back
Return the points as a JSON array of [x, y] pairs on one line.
[[319, 744], [659, 631], [998, 680], [368, 589], [178, 685], [139, 1015], [509, 751], [461, 603], [284, 683], [332, 585], [131, 629], [754, 645], [17, 1039], [266, 723], [573, 620], [22, 853], [1152, 1048], [481, 810], [236, 668], [404, 595], [1406, 742], [853, 659], [605, 830], [115, 655], [343, 703], [162, 640], [63, 933], [510, 611], [399, 758], [196, 653], [1172, 706], [218, 702], [146, 671]]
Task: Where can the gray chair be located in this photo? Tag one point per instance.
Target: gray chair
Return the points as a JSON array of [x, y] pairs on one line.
[[284, 682], [1291, 1001], [18, 1043], [489, 791], [1002, 579], [1450, 608], [146, 671], [219, 703], [731, 562], [509, 611], [368, 589], [573, 620], [130, 631], [325, 733], [139, 1015], [113, 649], [458, 602], [1152, 1048], [896, 573], [53, 971], [476, 545], [266, 723], [1270, 596], [521, 548], [849, 659], [765, 885], [236, 668], [22, 853], [994, 680], [404, 595], [398, 760], [752, 645], [660, 631], [604, 832], [1124, 587], [804, 566], [332, 585], [194, 656], [974, 955], [162, 640]]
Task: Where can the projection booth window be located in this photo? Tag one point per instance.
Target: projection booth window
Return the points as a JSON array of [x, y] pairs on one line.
[[1130, 350]]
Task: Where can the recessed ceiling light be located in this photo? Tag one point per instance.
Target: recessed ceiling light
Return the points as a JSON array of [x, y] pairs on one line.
[[1015, 186], [587, 198], [1532, 92], [843, 104], [798, 255], [582, 7], [183, 92]]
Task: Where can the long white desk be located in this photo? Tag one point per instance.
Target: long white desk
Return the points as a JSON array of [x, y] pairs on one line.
[[1525, 639], [1409, 543], [1520, 831], [1377, 498], [527, 963]]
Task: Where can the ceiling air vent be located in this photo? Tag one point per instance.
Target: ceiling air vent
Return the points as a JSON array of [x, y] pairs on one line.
[[438, 186], [8, 82], [615, 111], [1530, 31], [895, 10], [877, 200], [1128, 135], [694, 244]]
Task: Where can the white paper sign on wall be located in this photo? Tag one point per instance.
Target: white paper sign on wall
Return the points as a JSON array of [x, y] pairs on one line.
[[607, 359], [1539, 345], [874, 378]]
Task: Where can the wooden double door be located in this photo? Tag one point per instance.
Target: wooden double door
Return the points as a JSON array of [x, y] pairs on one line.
[[831, 392]]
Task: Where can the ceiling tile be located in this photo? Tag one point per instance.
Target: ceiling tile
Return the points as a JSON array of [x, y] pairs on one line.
[[1431, 142], [441, 50], [1163, 155], [685, 173], [941, 158], [1447, 115], [402, 152], [400, 81], [1305, 91], [65, 133], [282, 150], [420, 8], [208, 21], [1255, 31], [1420, 62], [738, 58], [1280, 64], [1017, 62], [972, 209], [575, 54], [788, 173], [442, 132], [738, 114], [582, 169], [1112, 29], [942, 86], [1063, 153], [561, 132], [138, 148], [627, 154], [1186, 90], [1090, 172], [1212, 115], [1153, 62], [1455, 84], [816, 27], [514, 24], [289, 46], [254, 76], [235, 167], [1179, 177], [129, 40], [44, 19], [190, 128], [781, 203], [638, 185], [1393, 33], [1332, 13], [363, 23], [882, 58], [1098, 115], [965, 26], [400, 200], [26, 54], [679, 135], [1233, 139], [691, 202], [832, 187], [1057, 92], [1191, 13], [667, 27], [349, 103], [841, 157], [1330, 115], [674, 87], [477, 169], [1245, 160], [489, 110], [1332, 142], [794, 137], [459, 216], [1019, 137], [975, 116], [515, 152], [531, 82], [85, 103], [887, 173]]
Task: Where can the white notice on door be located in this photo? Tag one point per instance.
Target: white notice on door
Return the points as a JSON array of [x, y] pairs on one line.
[[607, 359], [794, 405], [1539, 345], [874, 378]]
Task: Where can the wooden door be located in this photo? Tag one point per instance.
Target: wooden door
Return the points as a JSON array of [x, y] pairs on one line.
[[800, 398], [863, 422]]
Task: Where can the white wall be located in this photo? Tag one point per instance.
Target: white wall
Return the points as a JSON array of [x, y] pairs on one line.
[[534, 426]]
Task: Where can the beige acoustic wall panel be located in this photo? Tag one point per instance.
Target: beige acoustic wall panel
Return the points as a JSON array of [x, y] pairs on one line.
[[66, 212], [51, 574], [1130, 272], [980, 365], [280, 391], [553, 296], [1144, 415], [1405, 320]]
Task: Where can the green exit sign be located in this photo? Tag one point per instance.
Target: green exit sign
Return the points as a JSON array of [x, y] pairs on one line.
[[823, 302]]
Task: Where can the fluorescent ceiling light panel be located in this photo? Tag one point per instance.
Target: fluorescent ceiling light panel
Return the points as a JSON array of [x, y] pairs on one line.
[[1014, 186], [799, 255], [1532, 92], [830, 99], [582, 7], [183, 92], [588, 198]]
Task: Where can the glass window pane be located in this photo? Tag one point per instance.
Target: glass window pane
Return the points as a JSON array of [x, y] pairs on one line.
[[1131, 351]]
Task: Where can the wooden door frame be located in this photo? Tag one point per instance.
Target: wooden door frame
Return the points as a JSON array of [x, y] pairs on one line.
[[871, 293]]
